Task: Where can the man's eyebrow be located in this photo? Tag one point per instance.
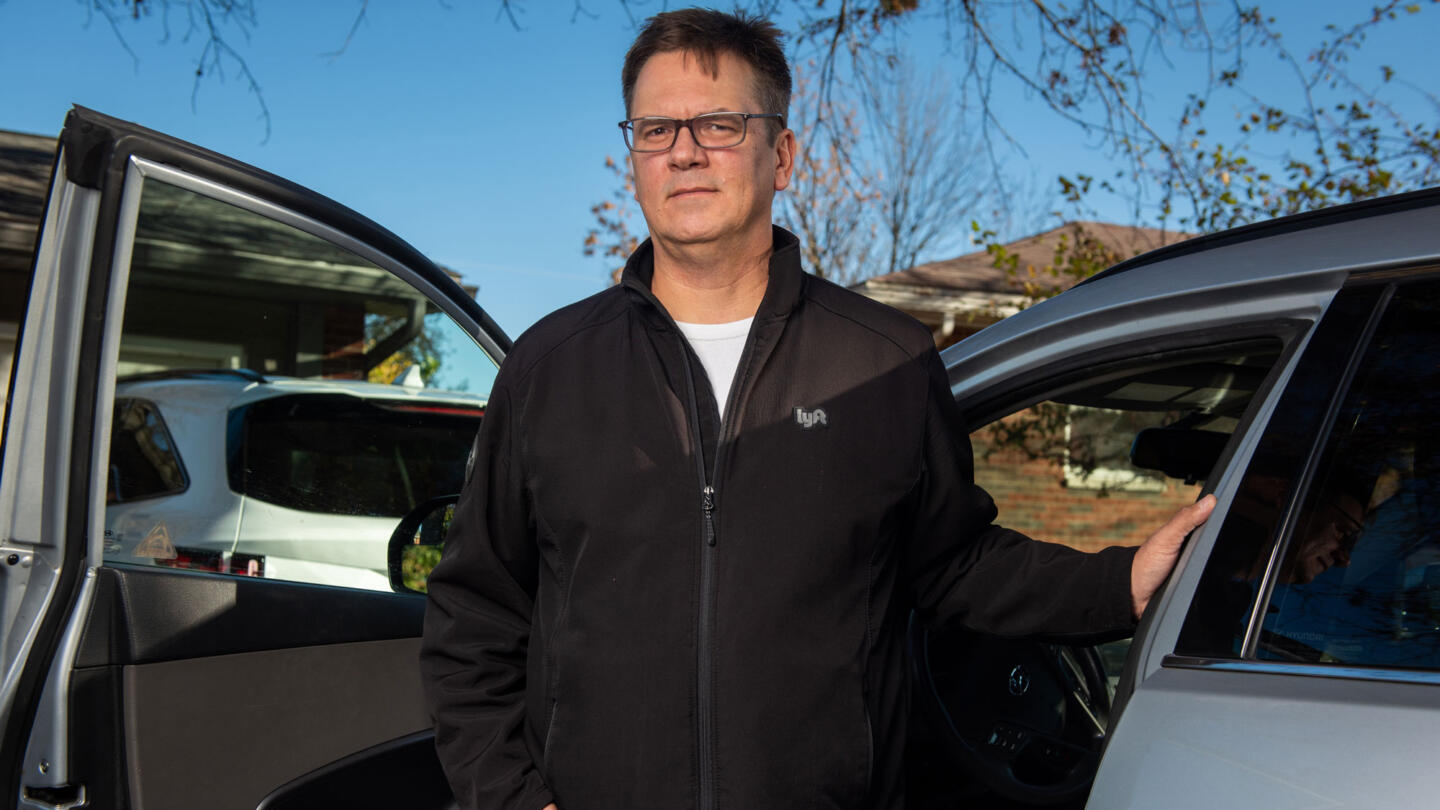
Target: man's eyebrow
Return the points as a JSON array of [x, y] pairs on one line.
[[675, 118]]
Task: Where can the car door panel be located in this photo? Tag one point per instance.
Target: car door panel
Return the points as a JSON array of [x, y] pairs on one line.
[[283, 714], [187, 656], [1205, 739], [145, 615]]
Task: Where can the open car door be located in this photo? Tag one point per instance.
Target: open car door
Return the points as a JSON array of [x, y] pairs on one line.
[[205, 448]]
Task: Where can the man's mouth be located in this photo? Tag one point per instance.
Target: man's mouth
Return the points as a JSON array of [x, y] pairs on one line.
[[686, 192]]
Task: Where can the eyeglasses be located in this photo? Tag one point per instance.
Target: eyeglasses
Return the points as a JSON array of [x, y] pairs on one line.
[[719, 130]]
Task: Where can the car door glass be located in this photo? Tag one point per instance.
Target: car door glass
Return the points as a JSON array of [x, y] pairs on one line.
[[1358, 579], [281, 401], [1221, 610], [1107, 458]]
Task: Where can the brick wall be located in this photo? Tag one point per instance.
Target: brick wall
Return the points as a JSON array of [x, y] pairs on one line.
[[1033, 499]]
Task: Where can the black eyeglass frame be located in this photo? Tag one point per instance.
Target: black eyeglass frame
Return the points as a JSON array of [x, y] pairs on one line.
[[627, 127]]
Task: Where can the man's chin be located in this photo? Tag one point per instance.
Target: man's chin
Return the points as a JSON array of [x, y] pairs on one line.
[[690, 237]]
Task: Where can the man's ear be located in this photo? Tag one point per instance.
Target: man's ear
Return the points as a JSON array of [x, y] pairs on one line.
[[785, 146]]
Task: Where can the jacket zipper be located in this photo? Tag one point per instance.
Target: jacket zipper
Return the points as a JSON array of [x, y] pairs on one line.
[[704, 696], [704, 660]]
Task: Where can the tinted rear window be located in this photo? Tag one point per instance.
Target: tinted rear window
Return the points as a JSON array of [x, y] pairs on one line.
[[143, 459], [336, 454]]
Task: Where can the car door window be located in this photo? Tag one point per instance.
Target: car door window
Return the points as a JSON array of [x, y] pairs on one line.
[[1330, 541], [1357, 581], [281, 400], [1112, 452], [1066, 468]]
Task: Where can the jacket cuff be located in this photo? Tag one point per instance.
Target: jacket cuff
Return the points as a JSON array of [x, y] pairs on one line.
[[1115, 563]]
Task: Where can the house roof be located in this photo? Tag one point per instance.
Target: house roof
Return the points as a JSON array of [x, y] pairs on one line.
[[976, 272]]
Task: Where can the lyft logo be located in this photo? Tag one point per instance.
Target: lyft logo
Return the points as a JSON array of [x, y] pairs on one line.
[[811, 419]]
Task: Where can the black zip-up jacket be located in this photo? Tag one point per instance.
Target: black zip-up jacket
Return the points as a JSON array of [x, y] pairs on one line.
[[641, 606]]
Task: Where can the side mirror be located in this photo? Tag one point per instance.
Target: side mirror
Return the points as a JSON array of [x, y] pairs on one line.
[[416, 543]]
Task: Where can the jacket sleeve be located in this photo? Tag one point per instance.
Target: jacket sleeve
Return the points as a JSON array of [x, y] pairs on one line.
[[964, 568], [477, 626]]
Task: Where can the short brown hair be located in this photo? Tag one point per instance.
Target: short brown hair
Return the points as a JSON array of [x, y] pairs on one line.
[[706, 33]]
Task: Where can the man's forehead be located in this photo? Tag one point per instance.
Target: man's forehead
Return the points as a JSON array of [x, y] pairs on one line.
[[720, 67]]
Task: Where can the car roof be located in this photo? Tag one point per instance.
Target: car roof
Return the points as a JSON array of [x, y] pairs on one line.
[[1306, 220], [1303, 221]]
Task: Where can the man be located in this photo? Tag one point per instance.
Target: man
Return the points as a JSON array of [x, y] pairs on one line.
[[704, 502]]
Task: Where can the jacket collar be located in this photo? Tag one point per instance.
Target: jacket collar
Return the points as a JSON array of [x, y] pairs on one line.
[[782, 291]]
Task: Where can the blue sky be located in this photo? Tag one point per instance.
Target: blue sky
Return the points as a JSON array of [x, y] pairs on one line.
[[480, 144]]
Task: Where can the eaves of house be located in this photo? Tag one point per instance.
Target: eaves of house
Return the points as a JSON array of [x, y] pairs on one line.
[[958, 297]]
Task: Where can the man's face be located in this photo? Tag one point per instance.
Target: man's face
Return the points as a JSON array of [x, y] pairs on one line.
[[694, 196]]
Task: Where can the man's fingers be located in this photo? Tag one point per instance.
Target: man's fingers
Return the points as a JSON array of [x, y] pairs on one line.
[[1156, 557], [1184, 521]]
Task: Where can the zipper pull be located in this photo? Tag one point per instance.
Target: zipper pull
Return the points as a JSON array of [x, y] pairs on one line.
[[707, 503]]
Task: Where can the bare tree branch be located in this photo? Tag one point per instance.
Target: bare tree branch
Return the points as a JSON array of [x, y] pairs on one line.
[[350, 35]]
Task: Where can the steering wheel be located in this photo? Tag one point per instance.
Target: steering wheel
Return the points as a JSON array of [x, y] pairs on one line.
[[1025, 718]]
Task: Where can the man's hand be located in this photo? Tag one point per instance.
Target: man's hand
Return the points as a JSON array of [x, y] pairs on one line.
[[1156, 557], [550, 806]]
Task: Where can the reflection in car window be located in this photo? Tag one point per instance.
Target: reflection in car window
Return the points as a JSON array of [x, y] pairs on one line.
[[143, 460], [314, 397], [1332, 597], [1359, 578]]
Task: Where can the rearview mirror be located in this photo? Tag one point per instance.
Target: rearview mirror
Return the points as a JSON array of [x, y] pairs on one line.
[[416, 544], [1189, 455]]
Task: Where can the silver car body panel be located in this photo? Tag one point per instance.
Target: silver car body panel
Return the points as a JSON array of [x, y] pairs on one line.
[[34, 484], [47, 755], [1239, 734]]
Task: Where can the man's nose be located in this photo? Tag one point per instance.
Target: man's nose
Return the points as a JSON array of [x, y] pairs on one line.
[[686, 152]]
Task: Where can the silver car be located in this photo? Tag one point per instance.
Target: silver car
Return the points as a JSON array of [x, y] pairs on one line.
[[1293, 660]]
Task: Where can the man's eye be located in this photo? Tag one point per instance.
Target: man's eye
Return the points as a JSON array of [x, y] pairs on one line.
[[723, 126], [656, 129]]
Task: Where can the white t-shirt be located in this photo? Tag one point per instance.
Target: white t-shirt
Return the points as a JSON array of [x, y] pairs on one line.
[[718, 345]]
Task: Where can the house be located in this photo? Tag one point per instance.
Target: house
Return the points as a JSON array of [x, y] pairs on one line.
[[959, 297]]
